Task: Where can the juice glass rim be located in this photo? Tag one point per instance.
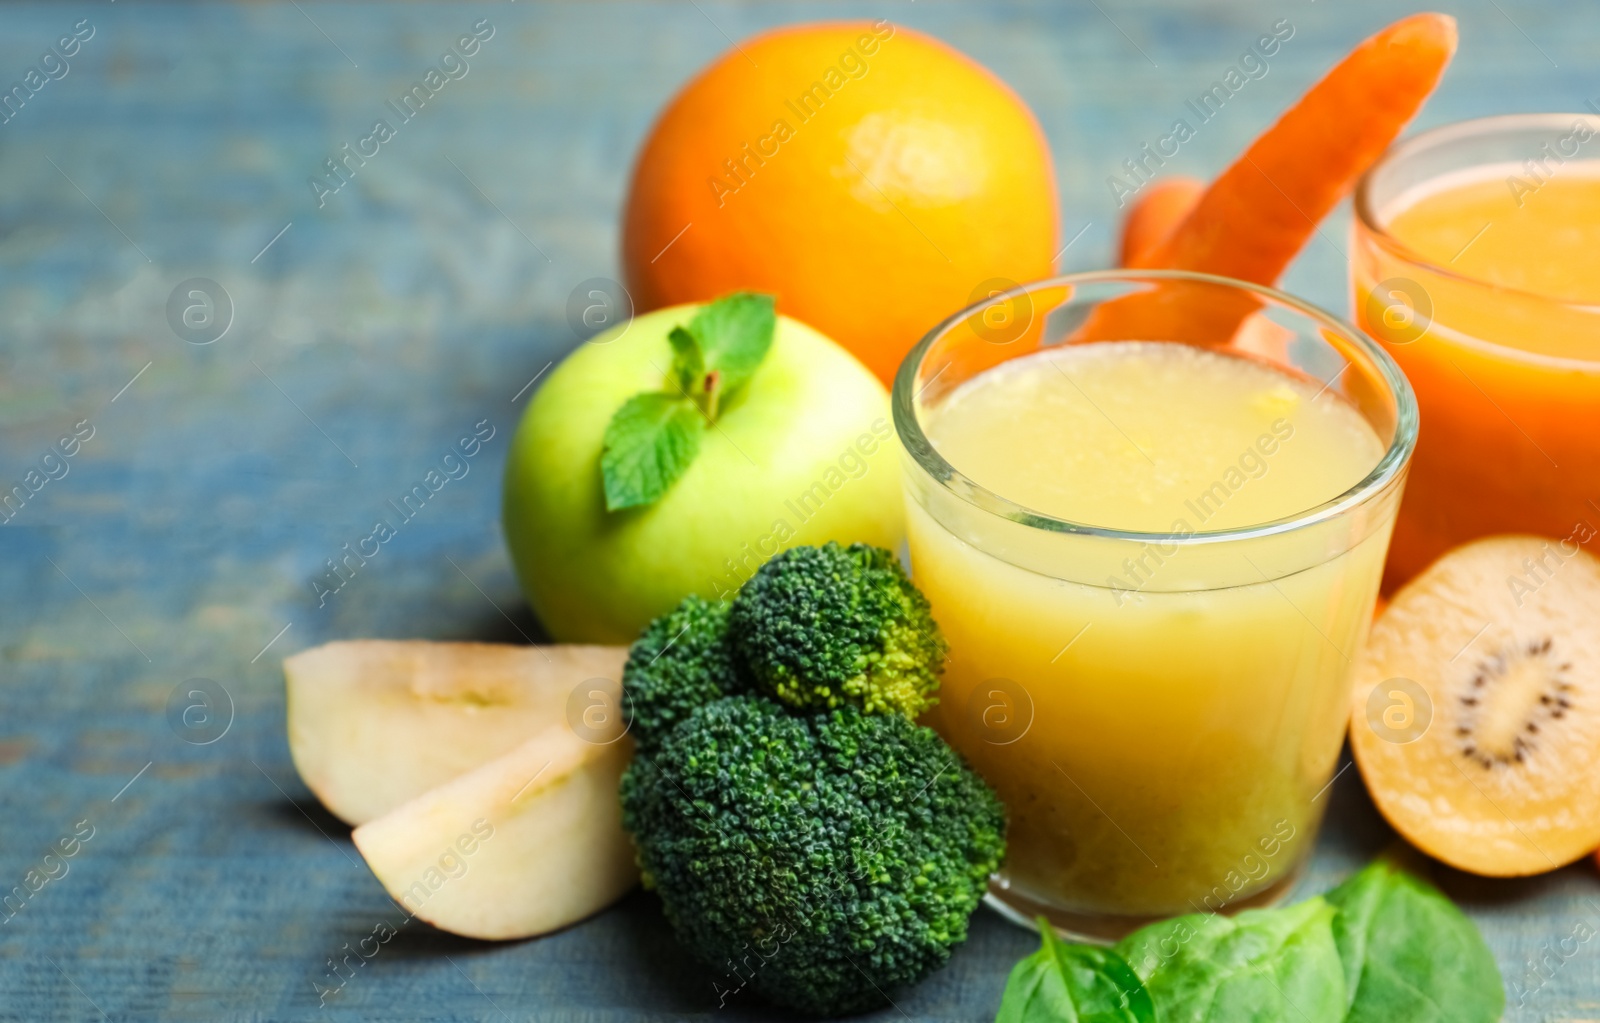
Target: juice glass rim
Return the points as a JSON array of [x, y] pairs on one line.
[[1367, 216], [904, 395]]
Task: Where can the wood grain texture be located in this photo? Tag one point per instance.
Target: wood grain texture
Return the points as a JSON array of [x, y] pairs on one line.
[[370, 336]]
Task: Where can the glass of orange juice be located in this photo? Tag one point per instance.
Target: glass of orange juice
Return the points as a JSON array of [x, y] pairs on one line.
[[1476, 262], [1154, 557]]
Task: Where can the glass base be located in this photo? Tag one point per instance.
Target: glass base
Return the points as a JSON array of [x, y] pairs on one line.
[[1109, 928]]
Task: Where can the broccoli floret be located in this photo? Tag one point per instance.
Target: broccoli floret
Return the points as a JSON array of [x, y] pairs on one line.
[[682, 660], [824, 859], [822, 627], [816, 845]]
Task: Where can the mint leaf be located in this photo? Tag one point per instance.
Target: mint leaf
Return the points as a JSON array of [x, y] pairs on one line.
[[1410, 956], [688, 361], [721, 348], [654, 436], [1063, 983], [649, 443], [734, 333]]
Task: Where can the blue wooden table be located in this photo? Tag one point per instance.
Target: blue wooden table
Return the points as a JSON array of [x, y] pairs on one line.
[[171, 154]]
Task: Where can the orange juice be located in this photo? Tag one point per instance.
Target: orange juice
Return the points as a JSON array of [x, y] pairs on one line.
[[1477, 263], [1153, 562], [1496, 226]]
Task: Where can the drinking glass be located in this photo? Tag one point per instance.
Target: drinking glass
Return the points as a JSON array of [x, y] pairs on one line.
[[1508, 380], [1166, 751]]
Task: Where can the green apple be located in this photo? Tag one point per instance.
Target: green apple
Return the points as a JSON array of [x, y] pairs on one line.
[[804, 453]]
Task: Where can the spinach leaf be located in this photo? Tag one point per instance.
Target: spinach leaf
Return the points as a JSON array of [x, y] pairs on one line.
[[1261, 965], [1410, 956], [1384, 947], [1063, 983]]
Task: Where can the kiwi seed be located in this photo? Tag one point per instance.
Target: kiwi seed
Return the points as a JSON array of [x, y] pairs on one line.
[[1512, 695]]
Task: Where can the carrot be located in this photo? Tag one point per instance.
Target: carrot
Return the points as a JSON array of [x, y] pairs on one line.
[[1260, 212], [1161, 207]]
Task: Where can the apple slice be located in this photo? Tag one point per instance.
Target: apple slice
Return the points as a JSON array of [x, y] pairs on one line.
[[373, 723], [525, 844]]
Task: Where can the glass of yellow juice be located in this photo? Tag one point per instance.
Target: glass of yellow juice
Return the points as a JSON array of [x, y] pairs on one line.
[[1476, 261], [1154, 557]]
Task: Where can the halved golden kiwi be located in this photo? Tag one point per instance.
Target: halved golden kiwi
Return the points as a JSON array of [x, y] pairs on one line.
[[1476, 719]]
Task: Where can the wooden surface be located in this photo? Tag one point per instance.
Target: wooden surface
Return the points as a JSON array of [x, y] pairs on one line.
[[369, 336]]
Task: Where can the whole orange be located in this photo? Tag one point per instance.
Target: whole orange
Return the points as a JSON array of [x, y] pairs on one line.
[[872, 178]]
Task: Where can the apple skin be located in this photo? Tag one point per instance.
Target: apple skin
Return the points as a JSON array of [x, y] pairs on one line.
[[811, 420]]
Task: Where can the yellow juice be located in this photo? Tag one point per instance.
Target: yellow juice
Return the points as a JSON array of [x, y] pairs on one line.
[[1158, 715]]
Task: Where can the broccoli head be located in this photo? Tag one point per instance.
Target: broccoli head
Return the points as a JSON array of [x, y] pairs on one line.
[[682, 660], [822, 859], [822, 627]]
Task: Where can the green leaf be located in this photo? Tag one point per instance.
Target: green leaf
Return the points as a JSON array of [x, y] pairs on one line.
[[734, 333], [653, 437], [1410, 956], [1073, 984], [1261, 965], [649, 443], [721, 348], [688, 362]]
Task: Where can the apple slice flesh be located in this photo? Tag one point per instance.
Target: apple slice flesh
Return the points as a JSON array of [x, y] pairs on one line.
[[373, 723], [525, 844]]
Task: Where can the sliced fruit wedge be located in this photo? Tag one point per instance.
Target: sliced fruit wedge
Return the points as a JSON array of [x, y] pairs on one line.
[[1476, 720], [373, 723], [525, 844]]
